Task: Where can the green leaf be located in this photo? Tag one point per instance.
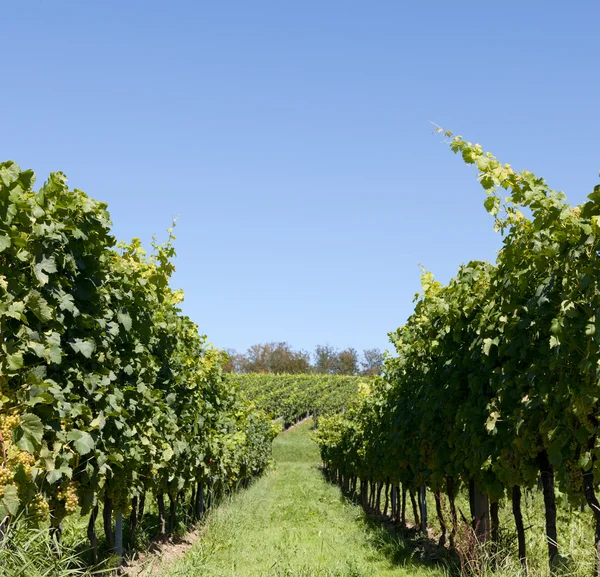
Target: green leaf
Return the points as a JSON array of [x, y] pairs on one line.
[[67, 303], [555, 453], [48, 457], [32, 425], [554, 342], [490, 423], [83, 442], [98, 422], [125, 320], [54, 476], [4, 242], [15, 361], [487, 345], [44, 267], [167, 454], [39, 307], [37, 348], [581, 435], [43, 398], [53, 354], [487, 181], [9, 505], [9, 172], [24, 441], [85, 347], [492, 204], [584, 460], [15, 311]]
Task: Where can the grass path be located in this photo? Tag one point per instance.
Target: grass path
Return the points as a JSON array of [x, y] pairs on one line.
[[293, 523]]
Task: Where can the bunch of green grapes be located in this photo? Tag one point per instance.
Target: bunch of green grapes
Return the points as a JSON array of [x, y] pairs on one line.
[[26, 460], [7, 424], [119, 494], [575, 475], [6, 476], [68, 495], [127, 509], [40, 507]]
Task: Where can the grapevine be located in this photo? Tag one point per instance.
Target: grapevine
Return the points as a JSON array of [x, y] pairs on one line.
[[108, 391], [494, 384]]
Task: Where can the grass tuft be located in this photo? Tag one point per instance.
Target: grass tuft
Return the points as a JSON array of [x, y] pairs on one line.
[[26, 551]]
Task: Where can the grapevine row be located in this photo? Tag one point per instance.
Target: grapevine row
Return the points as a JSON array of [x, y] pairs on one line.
[[107, 391], [495, 385]]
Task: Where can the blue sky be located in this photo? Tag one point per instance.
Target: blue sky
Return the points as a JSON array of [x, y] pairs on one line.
[[293, 140]]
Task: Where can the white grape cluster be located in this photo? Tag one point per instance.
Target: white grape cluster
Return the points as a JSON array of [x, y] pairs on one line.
[[40, 507], [6, 476], [575, 475], [7, 424], [27, 460], [68, 494], [119, 495], [12, 456]]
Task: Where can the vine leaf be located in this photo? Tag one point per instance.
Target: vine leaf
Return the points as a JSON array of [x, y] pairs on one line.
[[4, 242], [9, 172], [15, 361], [43, 268], [85, 347], [125, 320], [83, 442], [29, 433], [9, 505]]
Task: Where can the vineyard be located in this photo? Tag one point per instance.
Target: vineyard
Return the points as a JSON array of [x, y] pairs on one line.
[[112, 403], [495, 384], [294, 397]]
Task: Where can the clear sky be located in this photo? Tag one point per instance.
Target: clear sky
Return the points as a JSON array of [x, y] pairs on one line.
[[293, 140]]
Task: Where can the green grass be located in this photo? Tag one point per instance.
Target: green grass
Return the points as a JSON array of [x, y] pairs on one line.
[[575, 537], [292, 523], [29, 552]]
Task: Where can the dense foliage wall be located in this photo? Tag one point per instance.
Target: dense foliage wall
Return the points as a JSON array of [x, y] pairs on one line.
[[107, 390], [496, 382]]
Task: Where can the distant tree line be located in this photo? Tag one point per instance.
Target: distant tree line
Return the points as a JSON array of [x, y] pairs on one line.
[[326, 360]]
